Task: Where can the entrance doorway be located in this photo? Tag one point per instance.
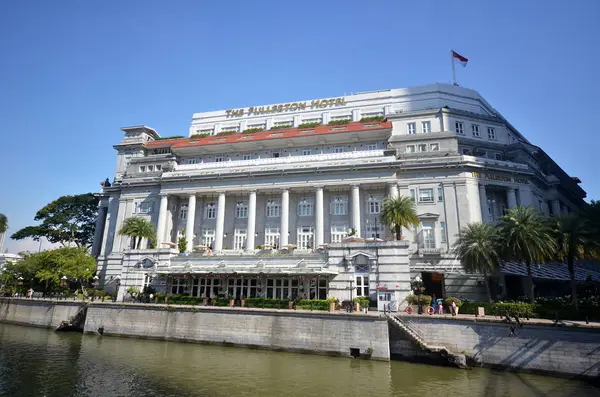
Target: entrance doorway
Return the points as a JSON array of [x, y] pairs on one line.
[[433, 283]]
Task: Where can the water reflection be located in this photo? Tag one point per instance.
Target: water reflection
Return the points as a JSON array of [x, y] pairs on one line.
[[39, 362]]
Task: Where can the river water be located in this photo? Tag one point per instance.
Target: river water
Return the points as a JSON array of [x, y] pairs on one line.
[[39, 362]]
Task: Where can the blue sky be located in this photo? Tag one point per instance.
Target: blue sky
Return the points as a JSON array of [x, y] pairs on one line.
[[73, 72]]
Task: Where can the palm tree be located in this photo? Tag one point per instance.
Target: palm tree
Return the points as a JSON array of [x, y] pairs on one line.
[[526, 237], [3, 228], [137, 228], [478, 250], [399, 212], [574, 240]]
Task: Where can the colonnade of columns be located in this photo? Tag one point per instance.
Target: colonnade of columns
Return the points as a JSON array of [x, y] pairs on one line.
[[319, 233]]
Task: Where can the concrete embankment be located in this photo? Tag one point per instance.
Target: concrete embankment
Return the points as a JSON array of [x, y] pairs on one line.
[[537, 346], [38, 313], [322, 333]]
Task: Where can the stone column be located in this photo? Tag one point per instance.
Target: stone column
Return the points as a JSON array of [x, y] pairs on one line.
[[511, 197], [251, 230], [445, 122], [285, 214], [356, 209], [162, 219], [526, 196], [220, 222], [120, 218], [485, 213], [555, 207], [319, 217], [393, 190], [98, 233], [189, 225]]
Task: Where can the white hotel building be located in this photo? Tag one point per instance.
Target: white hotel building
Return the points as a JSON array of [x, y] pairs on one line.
[[268, 175]]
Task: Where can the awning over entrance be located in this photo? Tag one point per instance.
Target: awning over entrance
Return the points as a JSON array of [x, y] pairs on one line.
[[554, 271]]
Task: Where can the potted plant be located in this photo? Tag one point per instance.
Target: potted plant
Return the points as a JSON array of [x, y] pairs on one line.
[[182, 243], [333, 301], [205, 301], [231, 301]]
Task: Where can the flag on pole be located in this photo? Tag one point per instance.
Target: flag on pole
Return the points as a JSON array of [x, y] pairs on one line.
[[463, 61]]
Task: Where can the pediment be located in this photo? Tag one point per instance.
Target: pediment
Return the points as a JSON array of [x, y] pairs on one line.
[[428, 215], [362, 253]]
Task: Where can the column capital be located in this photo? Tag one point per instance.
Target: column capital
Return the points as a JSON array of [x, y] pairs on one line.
[[190, 195], [163, 194]]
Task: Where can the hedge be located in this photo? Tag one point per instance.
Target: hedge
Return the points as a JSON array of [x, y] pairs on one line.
[[537, 310], [198, 136], [340, 122], [224, 133], [308, 125], [164, 138], [372, 118], [267, 303], [313, 304], [252, 130], [415, 299]]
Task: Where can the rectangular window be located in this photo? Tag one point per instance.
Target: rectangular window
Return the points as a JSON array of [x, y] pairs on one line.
[[275, 155], [183, 210], [283, 124], [458, 126], [498, 156], [158, 167], [410, 149], [362, 285], [144, 207], [210, 211], [411, 128], [229, 129], [372, 146], [339, 205], [192, 160], [338, 233], [208, 237], [305, 206], [374, 231], [466, 151], [305, 237], [247, 157], [142, 168], [241, 209], [428, 235], [426, 195], [412, 194], [272, 236], [239, 239], [422, 147], [273, 208], [475, 130], [150, 168], [426, 127], [306, 152], [339, 149], [440, 193], [179, 286], [434, 147], [415, 234], [219, 159], [491, 133], [443, 231], [374, 204]]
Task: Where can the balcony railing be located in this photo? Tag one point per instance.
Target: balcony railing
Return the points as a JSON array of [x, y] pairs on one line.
[[314, 158]]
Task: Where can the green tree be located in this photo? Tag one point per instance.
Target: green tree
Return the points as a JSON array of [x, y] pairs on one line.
[[67, 220], [526, 237], [478, 250], [3, 223], [575, 240], [137, 228], [399, 212], [182, 242], [592, 215]]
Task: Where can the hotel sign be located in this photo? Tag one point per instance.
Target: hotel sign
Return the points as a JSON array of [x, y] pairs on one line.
[[501, 178], [285, 107]]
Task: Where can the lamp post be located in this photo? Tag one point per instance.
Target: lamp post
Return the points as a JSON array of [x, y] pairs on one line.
[[419, 289]]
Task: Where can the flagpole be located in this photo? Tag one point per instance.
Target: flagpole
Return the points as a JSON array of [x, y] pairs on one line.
[[453, 71]]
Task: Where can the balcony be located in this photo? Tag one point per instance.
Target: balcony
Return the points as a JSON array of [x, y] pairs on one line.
[[497, 163], [286, 163]]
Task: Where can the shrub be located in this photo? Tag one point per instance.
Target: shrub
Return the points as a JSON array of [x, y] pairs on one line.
[[448, 301], [225, 133], [252, 130], [308, 125], [314, 304], [268, 303], [281, 127], [198, 136], [220, 301], [415, 299], [340, 122], [362, 300], [164, 138], [372, 118]]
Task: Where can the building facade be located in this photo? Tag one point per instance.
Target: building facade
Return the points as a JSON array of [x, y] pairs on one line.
[[267, 195]]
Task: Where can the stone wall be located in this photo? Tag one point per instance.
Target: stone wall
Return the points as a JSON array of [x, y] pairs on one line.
[[549, 349], [321, 333], [39, 313]]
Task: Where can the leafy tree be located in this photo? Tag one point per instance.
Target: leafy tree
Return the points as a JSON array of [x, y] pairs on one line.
[[478, 250], [3, 223], [575, 240], [526, 237], [592, 214], [137, 228], [182, 242], [399, 212], [66, 221]]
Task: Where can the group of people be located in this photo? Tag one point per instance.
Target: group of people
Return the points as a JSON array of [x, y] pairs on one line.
[[438, 306]]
